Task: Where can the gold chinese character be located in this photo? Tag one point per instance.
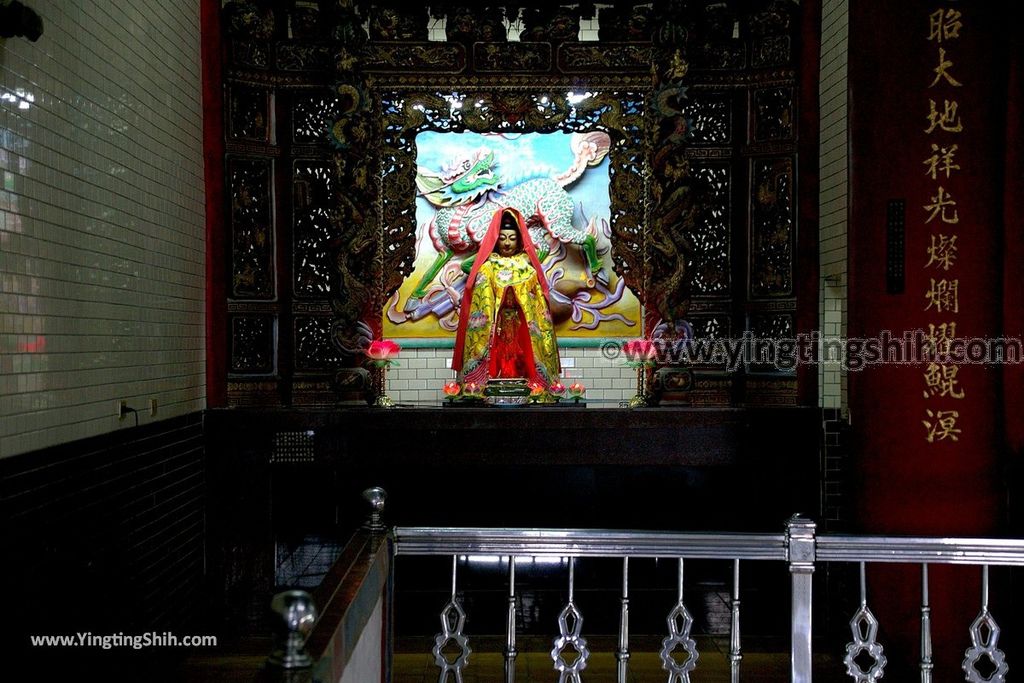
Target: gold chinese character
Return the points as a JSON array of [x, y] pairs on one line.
[[942, 251], [944, 25], [947, 119], [941, 161], [944, 296], [942, 71], [939, 338], [940, 380], [944, 426], [940, 203]]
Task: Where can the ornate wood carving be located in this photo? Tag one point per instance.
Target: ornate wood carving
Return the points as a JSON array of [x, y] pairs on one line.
[[510, 57], [398, 23], [592, 57], [699, 100], [252, 344], [434, 58], [476, 24], [252, 236], [773, 233], [303, 56], [772, 113]]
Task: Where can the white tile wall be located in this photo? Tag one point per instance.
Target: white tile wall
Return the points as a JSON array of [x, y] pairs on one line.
[[435, 29], [423, 372], [833, 158], [102, 247], [588, 28]]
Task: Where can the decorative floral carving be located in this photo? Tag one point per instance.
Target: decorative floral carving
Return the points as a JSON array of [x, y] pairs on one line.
[[773, 114], [625, 24], [346, 26], [248, 53], [505, 57], [397, 23], [300, 56], [305, 20], [770, 51], [772, 228], [313, 346], [589, 57], [252, 343], [774, 19], [475, 24], [249, 20], [252, 247], [552, 24], [404, 57]]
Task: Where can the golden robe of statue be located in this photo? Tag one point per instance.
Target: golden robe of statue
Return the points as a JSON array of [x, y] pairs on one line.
[[505, 326]]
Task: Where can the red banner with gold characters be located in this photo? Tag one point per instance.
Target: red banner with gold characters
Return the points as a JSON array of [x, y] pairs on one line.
[[943, 392], [934, 111], [928, 93]]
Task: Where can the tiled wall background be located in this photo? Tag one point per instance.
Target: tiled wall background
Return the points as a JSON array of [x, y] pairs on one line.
[[423, 372], [833, 159], [102, 245]]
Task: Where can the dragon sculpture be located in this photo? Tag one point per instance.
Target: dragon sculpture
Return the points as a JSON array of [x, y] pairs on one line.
[[468, 192]]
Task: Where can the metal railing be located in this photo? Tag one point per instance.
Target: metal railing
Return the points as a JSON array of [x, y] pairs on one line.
[[576, 543], [799, 546]]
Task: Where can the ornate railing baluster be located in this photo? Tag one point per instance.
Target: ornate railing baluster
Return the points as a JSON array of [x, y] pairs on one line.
[[800, 547], [982, 646], [622, 653], [735, 653], [453, 620], [570, 636], [927, 665], [510, 625], [864, 626], [679, 624]]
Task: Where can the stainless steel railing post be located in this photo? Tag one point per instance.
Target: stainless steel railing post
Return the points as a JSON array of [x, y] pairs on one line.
[[801, 556]]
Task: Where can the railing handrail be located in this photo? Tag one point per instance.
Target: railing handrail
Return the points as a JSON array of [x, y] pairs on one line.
[[920, 549], [420, 540], [588, 543], [318, 634]]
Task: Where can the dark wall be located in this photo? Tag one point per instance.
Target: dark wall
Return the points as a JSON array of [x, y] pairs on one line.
[[678, 468], [104, 535], [175, 526], [288, 477]]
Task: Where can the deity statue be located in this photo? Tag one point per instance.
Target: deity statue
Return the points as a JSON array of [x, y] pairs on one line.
[[505, 327]]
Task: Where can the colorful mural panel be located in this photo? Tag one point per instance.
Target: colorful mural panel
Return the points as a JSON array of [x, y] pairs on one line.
[[559, 181]]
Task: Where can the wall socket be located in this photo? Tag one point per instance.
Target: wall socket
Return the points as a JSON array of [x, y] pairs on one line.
[[152, 407], [122, 409]]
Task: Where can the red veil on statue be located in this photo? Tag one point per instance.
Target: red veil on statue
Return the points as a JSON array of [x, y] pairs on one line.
[[478, 322]]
